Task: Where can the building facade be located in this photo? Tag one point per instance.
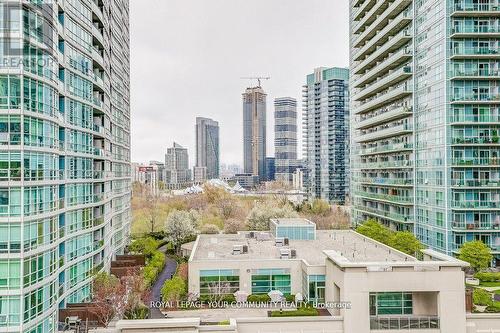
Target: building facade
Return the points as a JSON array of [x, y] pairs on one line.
[[207, 148], [326, 133], [270, 169], [177, 172], [285, 138], [425, 119], [64, 154], [254, 132]]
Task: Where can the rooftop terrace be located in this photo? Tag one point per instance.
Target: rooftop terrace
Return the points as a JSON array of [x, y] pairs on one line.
[[352, 246]]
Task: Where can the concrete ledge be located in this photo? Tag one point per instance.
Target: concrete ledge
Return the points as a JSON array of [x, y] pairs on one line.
[[158, 323]]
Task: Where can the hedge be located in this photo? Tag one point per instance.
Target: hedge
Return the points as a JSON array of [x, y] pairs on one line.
[[487, 277], [481, 297]]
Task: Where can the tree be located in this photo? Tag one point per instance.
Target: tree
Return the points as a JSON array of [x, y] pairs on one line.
[[152, 207], [173, 290], [320, 207], [477, 254], [109, 299], [180, 226], [209, 229], [375, 230], [259, 216], [406, 242], [232, 226], [145, 245]]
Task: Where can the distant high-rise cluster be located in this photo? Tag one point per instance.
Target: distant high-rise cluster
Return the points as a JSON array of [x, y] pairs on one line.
[[326, 133], [254, 132], [177, 171], [285, 138], [207, 150]]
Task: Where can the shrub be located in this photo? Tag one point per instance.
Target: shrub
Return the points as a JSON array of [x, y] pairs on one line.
[[154, 267], [481, 297], [141, 312], [290, 298], [145, 245], [493, 308], [487, 277], [173, 290], [259, 298], [302, 311], [232, 226], [228, 298]]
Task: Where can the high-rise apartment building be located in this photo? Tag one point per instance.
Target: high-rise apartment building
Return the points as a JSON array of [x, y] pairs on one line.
[[64, 154], [177, 172], [254, 132], [285, 138], [270, 169], [326, 133], [425, 92], [207, 149]]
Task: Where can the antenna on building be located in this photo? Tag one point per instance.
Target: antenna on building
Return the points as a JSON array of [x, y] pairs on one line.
[[258, 78]]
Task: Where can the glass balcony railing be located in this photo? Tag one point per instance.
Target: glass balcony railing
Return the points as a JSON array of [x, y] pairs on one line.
[[475, 204], [386, 181], [477, 50], [386, 197], [486, 118], [474, 182], [475, 225], [474, 161], [403, 322], [487, 97], [389, 164], [469, 29], [386, 148], [476, 7], [390, 215], [474, 72], [475, 140]]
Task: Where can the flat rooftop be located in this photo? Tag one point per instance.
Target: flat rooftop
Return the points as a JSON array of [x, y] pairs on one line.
[[349, 244], [292, 222]]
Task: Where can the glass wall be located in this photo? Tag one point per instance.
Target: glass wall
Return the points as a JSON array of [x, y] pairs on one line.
[[265, 280], [391, 303], [219, 281]]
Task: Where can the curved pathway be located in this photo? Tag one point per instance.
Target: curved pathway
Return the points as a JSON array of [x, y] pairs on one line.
[[166, 274]]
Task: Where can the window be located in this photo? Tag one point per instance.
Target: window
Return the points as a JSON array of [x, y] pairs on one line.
[[265, 280], [10, 274], [316, 292], [219, 281], [391, 303]]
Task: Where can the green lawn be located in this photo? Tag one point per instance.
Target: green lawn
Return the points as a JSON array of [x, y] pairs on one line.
[[300, 312], [490, 284]]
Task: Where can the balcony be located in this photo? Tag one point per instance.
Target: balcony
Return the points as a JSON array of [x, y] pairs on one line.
[[474, 74], [471, 118], [390, 131], [405, 164], [387, 181], [483, 183], [392, 45], [394, 60], [475, 98], [475, 52], [361, 10], [386, 25], [483, 140], [370, 17], [475, 204], [463, 31], [384, 82], [385, 214], [384, 149], [479, 226], [475, 162], [384, 116], [476, 10], [407, 323], [383, 98], [397, 199]]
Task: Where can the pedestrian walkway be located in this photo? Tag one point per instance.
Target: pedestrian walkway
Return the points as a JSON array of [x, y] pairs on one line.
[[166, 274]]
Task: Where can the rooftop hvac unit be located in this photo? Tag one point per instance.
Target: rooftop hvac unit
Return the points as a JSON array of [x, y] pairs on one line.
[[286, 241], [285, 254], [252, 234], [293, 253], [237, 249], [245, 249], [279, 241]]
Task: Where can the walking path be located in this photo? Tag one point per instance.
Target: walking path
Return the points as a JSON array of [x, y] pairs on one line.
[[166, 274]]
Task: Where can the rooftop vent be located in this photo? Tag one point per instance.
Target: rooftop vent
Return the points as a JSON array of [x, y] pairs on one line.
[[281, 241], [285, 254], [240, 249]]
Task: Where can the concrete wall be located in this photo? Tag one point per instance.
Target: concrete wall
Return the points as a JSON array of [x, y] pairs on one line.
[[483, 323], [356, 283]]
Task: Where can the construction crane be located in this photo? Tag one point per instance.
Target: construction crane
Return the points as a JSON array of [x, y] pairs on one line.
[[258, 78]]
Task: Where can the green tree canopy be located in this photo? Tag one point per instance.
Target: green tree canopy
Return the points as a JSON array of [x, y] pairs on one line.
[[173, 289], [406, 242], [477, 254], [259, 216]]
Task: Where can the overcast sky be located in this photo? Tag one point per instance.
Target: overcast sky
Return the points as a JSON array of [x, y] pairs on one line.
[[187, 57]]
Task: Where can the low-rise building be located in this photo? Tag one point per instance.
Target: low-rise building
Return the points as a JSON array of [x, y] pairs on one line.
[[335, 266], [247, 180]]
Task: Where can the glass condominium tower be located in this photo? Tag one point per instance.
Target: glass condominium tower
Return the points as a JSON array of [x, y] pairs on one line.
[[64, 153], [425, 118], [285, 138], [254, 132], [207, 146], [326, 133]]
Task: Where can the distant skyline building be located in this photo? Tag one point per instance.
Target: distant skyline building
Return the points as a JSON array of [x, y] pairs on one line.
[[270, 169], [326, 133], [425, 102], [254, 132], [285, 138], [177, 172], [207, 149]]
